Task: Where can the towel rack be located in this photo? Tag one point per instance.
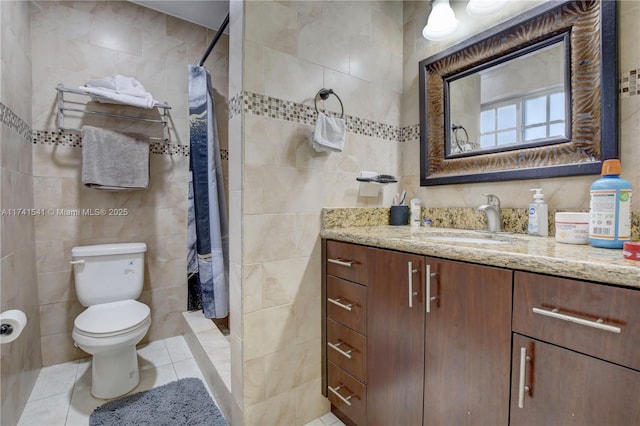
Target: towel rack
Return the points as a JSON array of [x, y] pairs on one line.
[[164, 111], [324, 95]]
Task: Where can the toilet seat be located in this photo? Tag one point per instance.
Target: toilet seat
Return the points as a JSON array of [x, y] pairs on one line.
[[111, 319]]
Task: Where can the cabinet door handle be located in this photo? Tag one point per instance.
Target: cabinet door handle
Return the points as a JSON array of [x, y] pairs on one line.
[[341, 262], [335, 346], [429, 299], [522, 387], [599, 323], [344, 399], [412, 293], [337, 302]]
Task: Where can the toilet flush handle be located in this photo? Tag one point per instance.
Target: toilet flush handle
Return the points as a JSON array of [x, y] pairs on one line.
[[77, 262]]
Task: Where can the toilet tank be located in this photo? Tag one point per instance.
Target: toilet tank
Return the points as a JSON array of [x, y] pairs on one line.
[[108, 272]]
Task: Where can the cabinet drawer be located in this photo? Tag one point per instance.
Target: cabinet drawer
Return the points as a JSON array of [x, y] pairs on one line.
[[347, 349], [595, 319], [347, 261], [347, 394], [347, 303]]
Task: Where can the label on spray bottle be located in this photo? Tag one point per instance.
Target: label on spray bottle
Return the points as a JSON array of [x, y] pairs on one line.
[[603, 214]]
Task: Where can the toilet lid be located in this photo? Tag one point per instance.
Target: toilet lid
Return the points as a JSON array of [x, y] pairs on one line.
[[112, 317]]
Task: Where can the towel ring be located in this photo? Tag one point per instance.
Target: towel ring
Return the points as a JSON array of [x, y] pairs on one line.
[[324, 95]]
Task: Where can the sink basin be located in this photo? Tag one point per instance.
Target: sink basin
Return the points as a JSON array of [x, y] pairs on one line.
[[473, 237], [471, 240]]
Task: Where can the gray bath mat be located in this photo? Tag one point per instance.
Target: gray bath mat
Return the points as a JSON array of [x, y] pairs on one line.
[[184, 402]]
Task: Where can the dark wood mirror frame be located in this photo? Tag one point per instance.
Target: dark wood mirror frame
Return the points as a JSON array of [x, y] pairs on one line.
[[594, 96]]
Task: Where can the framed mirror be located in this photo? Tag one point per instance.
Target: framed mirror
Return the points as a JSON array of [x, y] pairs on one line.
[[534, 97]]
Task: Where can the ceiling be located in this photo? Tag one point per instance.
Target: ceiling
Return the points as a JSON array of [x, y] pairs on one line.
[[208, 13]]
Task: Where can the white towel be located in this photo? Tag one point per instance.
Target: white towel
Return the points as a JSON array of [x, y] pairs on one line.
[[120, 90], [113, 160], [329, 134]]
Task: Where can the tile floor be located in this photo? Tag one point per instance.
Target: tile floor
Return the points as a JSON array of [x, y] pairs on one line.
[[61, 394]]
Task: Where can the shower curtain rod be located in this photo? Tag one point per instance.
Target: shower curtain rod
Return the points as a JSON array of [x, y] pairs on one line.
[[215, 40]]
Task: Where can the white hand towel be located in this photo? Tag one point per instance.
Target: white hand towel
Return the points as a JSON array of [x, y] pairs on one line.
[[329, 134], [121, 90]]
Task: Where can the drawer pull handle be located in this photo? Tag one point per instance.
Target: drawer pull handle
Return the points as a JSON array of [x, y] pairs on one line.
[[341, 262], [599, 323], [344, 399], [522, 388], [340, 304], [335, 346]]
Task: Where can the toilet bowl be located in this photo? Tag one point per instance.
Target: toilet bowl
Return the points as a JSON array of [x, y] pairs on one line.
[[108, 279], [110, 332]]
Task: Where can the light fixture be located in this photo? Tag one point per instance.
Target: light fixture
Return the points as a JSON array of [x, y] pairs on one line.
[[442, 21], [484, 7]]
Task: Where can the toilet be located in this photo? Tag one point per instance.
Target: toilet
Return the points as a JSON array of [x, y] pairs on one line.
[[108, 279]]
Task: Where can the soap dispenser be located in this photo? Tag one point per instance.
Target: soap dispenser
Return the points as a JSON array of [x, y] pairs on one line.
[[538, 215]]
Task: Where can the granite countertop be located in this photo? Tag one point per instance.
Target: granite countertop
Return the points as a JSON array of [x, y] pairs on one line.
[[520, 252]]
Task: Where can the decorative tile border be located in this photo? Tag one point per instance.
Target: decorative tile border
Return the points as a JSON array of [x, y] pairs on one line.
[[74, 140], [15, 123], [45, 137], [267, 106], [164, 148], [410, 133], [630, 83]]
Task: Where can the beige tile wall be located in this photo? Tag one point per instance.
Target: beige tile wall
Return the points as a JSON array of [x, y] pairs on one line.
[[20, 360], [291, 50], [562, 193], [76, 41]]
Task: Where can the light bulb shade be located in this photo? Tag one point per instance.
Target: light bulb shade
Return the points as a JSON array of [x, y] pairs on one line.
[[484, 7], [442, 21]]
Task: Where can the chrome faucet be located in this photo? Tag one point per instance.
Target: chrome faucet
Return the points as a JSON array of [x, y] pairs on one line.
[[492, 210]]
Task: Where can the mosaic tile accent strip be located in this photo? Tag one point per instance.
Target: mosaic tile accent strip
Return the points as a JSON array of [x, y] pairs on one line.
[[235, 105], [163, 148], [630, 83], [280, 109], [62, 138], [74, 140], [410, 133], [15, 123]]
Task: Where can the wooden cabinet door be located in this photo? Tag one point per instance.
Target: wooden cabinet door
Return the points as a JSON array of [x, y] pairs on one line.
[[395, 338], [570, 389], [468, 344]]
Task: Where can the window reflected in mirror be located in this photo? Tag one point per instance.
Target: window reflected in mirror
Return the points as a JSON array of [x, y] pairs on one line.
[[518, 102]]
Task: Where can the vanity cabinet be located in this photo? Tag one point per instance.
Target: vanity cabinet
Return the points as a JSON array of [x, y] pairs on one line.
[[414, 340], [395, 338], [576, 353], [468, 344]]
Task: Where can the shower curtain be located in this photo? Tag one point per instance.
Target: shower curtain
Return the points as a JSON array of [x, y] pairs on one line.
[[208, 233]]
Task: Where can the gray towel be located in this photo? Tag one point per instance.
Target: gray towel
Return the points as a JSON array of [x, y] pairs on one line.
[[113, 160]]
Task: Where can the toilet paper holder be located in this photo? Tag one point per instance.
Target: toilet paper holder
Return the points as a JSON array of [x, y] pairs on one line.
[[6, 329]]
